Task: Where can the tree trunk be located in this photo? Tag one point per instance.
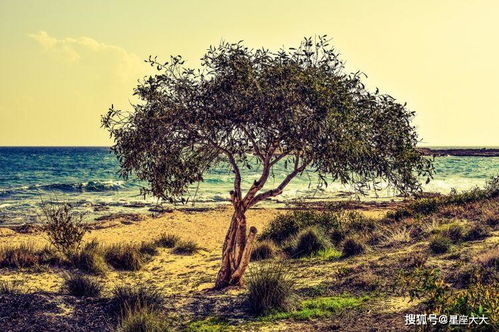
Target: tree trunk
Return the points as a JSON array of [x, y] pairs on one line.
[[236, 251]]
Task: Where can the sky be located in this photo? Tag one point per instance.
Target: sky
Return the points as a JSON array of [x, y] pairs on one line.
[[63, 63]]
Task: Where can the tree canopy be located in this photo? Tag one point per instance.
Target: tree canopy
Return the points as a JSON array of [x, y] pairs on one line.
[[298, 102]]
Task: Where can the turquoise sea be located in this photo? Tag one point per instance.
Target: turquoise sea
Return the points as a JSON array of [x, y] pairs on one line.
[[88, 178]]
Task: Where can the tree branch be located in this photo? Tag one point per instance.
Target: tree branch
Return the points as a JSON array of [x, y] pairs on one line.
[[278, 190]]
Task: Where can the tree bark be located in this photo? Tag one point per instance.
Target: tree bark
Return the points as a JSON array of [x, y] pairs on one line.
[[236, 250]]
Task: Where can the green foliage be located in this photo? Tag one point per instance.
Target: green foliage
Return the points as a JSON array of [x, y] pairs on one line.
[[187, 248], [310, 241], [90, 258], [133, 299], [246, 102], [124, 257], [319, 307], [427, 206], [64, 227], [80, 285], [210, 324], [352, 247], [167, 240], [263, 250], [269, 288], [440, 244], [437, 297]]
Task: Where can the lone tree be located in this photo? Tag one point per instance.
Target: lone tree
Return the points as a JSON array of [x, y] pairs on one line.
[[297, 105]]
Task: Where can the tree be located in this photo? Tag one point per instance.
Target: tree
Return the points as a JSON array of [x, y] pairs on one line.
[[245, 106]]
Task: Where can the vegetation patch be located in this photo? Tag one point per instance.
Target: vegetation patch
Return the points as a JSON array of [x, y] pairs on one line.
[[352, 247], [143, 320], [270, 288], [90, 259], [131, 299], [210, 324], [124, 257], [166, 240], [319, 307], [440, 244], [80, 285], [187, 248], [265, 249]]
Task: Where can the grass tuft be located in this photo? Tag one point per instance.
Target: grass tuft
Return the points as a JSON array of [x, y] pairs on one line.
[[124, 257], [131, 299], [186, 248], [265, 249], [90, 259], [352, 247], [80, 285], [440, 244], [167, 240], [269, 288]]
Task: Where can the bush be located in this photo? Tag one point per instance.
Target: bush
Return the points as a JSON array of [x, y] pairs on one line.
[[19, 256], [124, 257], [64, 228], [263, 250], [79, 285], [477, 232], [310, 241], [90, 259], [186, 248], [167, 240], [133, 299], [352, 247], [284, 227], [440, 244], [269, 288], [143, 320]]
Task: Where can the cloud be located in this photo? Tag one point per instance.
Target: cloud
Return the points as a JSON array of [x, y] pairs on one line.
[[91, 53]]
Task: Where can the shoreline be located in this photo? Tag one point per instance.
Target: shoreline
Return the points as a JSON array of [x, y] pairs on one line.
[[460, 152]]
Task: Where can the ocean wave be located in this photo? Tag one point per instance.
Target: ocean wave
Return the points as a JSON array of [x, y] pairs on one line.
[[79, 187]]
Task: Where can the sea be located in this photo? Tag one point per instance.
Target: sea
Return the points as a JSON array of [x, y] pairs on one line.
[[88, 178]]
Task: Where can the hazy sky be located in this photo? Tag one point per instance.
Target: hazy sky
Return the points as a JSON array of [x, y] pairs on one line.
[[63, 63]]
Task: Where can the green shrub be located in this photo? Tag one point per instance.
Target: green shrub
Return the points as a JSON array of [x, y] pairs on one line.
[[132, 299], [80, 285], [440, 244], [167, 240], [90, 259], [310, 241], [124, 257], [284, 227], [477, 232], [19, 256], [263, 250], [64, 227], [143, 320], [186, 248], [269, 288], [352, 247]]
